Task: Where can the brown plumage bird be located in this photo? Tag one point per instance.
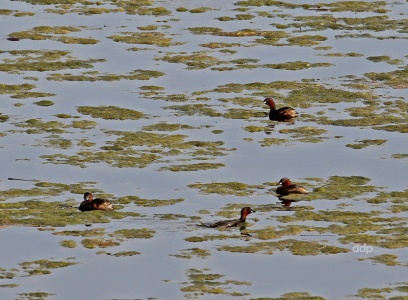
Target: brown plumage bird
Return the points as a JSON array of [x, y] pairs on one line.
[[283, 114], [286, 187], [231, 223], [90, 203]]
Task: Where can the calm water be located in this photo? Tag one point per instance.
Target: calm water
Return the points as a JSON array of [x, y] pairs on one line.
[[156, 272]]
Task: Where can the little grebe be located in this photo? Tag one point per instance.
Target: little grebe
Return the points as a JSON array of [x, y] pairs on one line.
[[90, 203], [232, 223], [283, 114], [286, 187]]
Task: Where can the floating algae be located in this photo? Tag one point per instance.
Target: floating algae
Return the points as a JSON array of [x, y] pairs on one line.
[[201, 283]]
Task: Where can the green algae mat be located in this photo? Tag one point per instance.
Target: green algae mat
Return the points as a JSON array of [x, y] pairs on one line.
[[158, 107]]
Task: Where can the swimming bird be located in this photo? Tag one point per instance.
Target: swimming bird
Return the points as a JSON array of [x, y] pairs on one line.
[[286, 187], [231, 223], [283, 114], [90, 203]]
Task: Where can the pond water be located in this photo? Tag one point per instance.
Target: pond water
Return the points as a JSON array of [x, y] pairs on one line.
[[158, 107]]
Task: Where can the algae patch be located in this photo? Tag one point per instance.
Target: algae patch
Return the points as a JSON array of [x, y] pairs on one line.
[[110, 112], [296, 247], [195, 61], [201, 283], [34, 212], [57, 33], [44, 60], [399, 290], [225, 188], [365, 143], [386, 259], [192, 167], [21, 91], [140, 149], [99, 238], [108, 77], [43, 266], [193, 253], [148, 202], [147, 38], [135, 233], [397, 79]]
